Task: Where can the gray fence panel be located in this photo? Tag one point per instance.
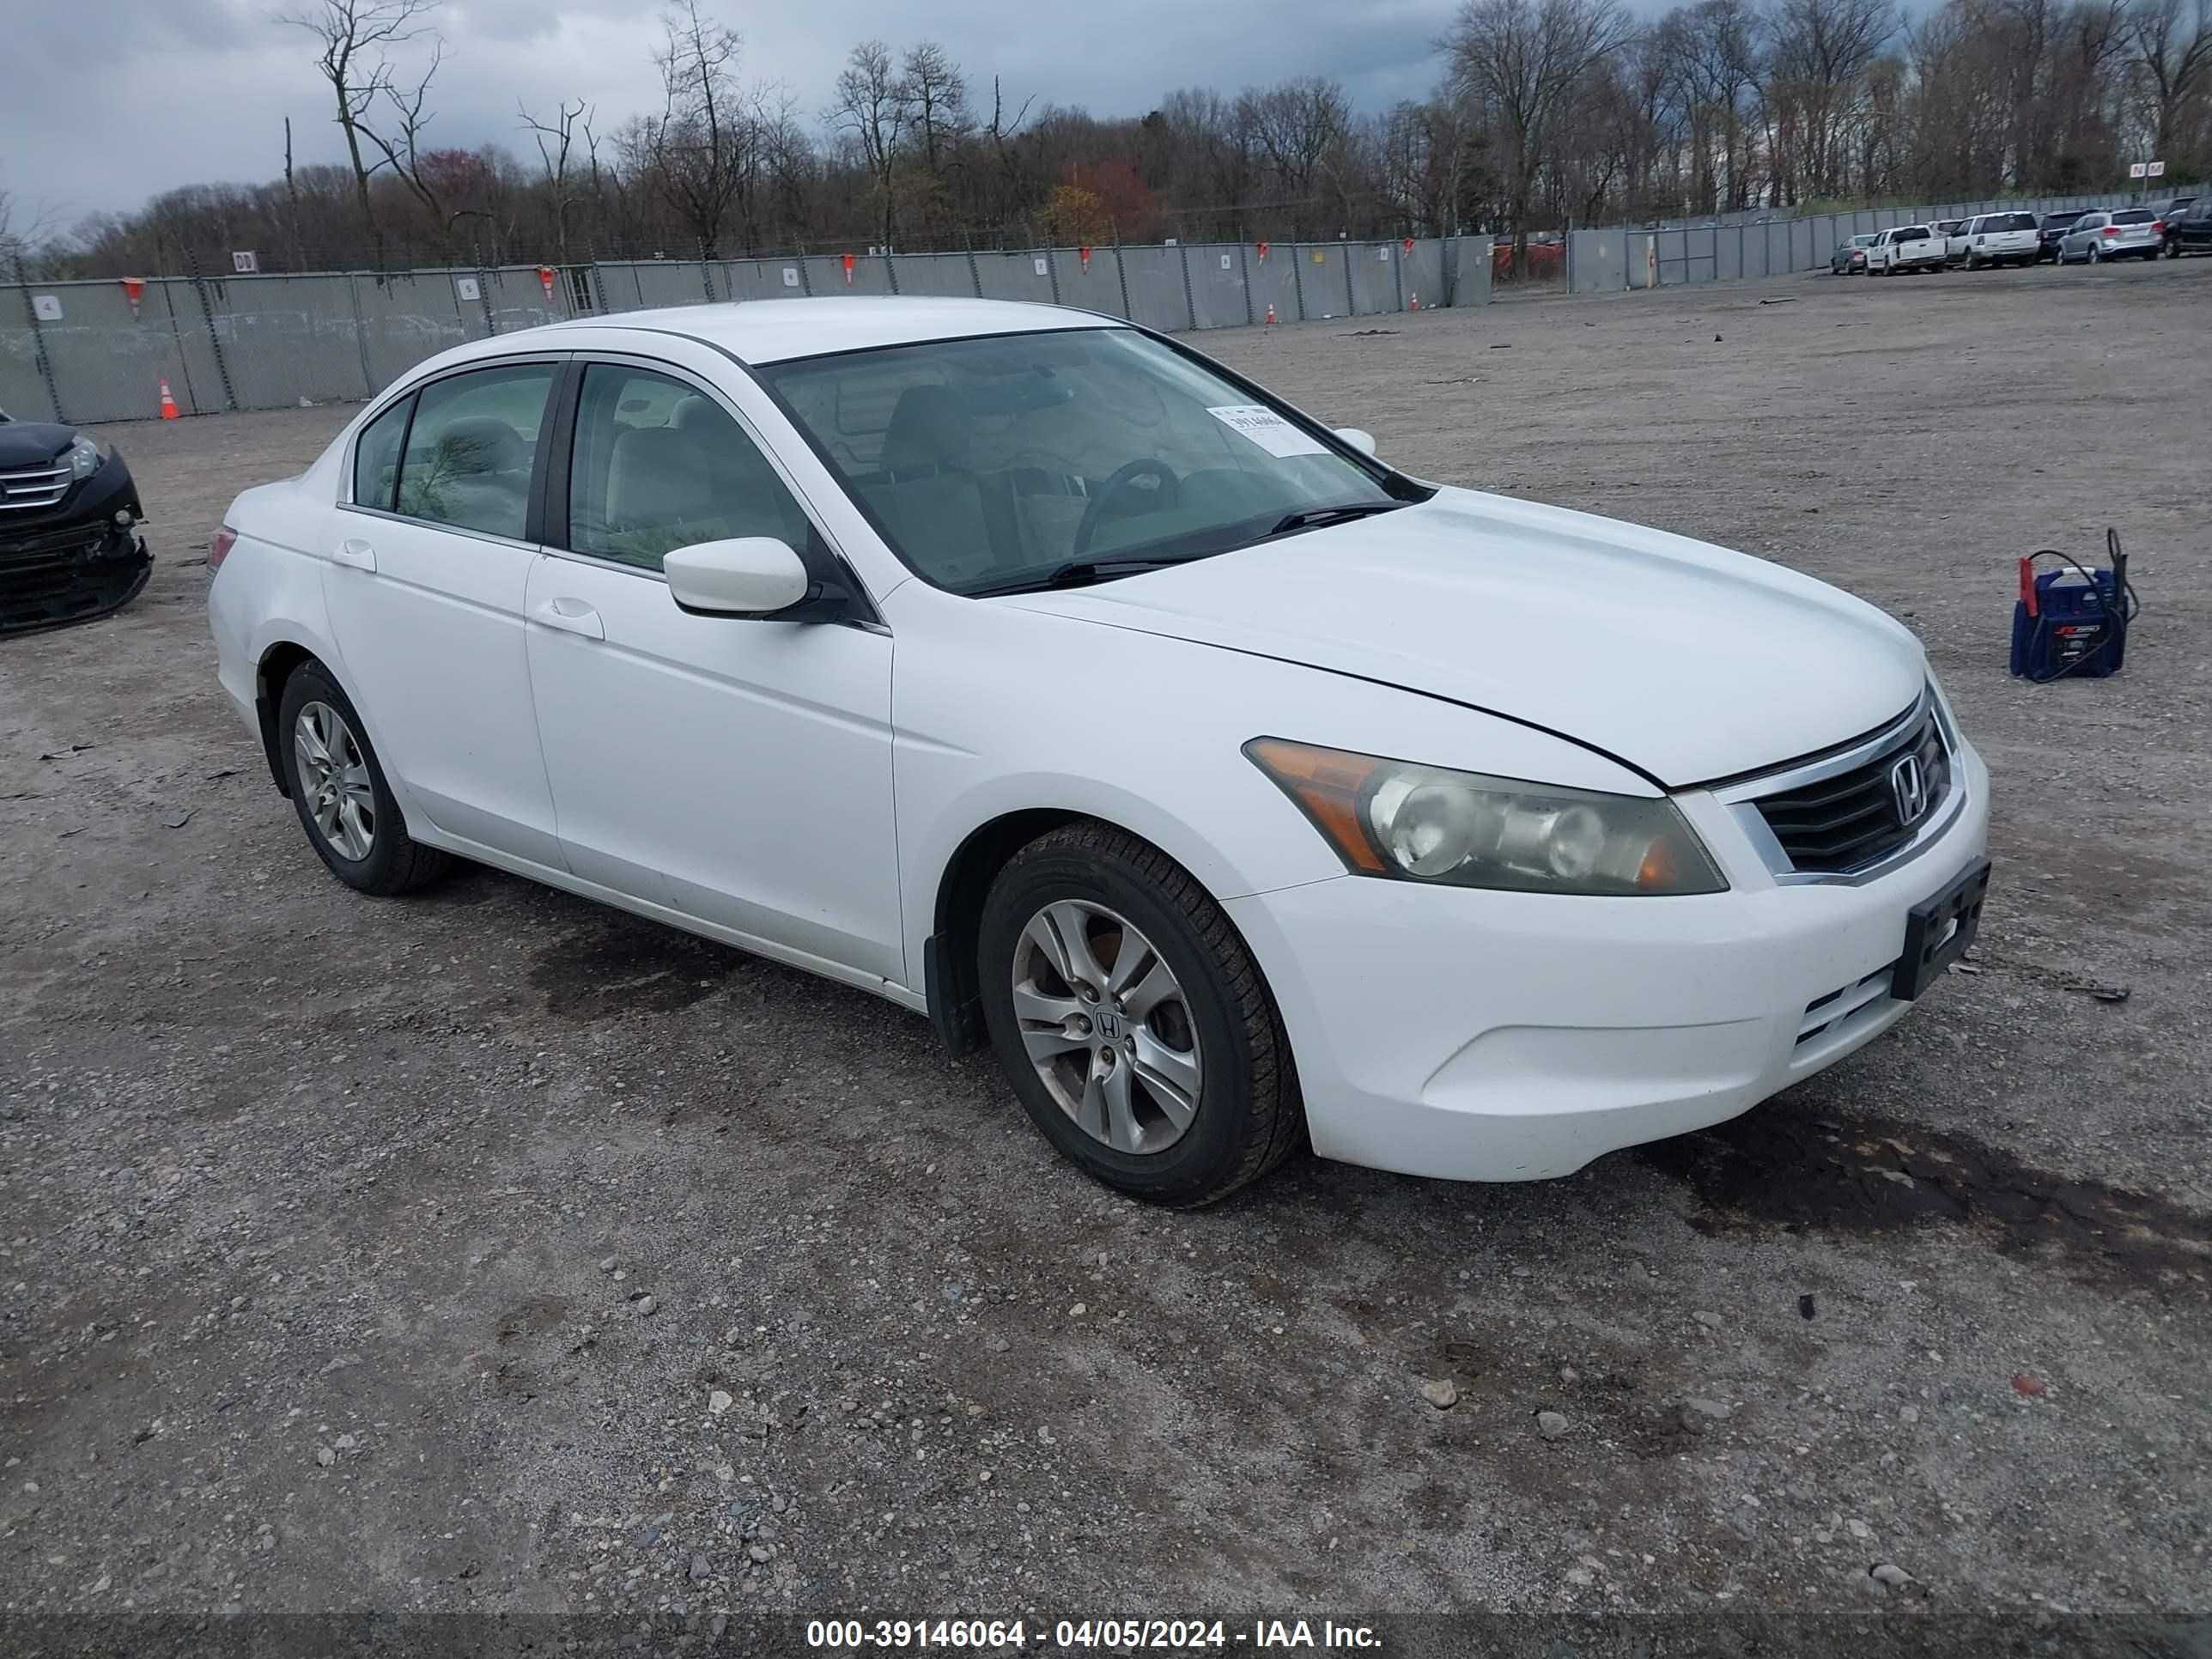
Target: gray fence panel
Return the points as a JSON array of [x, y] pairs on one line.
[[946, 276], [1094, 287], [1703, 255], [1274, 282], [768, 279], [1217, 298], [406, 318], [1473, 269], [1324, 280], [1424, 275], [519, 299], [22, 386], [1600, 260], [1727, 252], [108, 365], [825, 273], [1374, 268], [1158, 298], [289, 339], [1024, 276]]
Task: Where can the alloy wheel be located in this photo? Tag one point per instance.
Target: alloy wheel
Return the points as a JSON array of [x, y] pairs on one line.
[[334, 780], [1108, 1027]]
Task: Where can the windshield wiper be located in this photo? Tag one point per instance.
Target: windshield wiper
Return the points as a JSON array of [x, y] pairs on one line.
[[1309, 518], [1081, 573]]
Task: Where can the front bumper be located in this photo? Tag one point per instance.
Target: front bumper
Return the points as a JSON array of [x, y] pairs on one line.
[[1481, 1036], [74, 562]]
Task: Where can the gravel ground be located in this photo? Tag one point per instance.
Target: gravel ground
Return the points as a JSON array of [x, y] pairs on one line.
[[494, 1252]]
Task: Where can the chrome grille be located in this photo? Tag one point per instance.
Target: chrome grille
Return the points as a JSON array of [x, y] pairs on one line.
[[1837, 823], [34, 487]]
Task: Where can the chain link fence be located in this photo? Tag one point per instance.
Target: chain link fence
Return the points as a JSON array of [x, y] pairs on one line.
[[80, 352]]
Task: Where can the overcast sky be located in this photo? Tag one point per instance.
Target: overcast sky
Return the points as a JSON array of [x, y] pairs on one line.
[[103, 105]]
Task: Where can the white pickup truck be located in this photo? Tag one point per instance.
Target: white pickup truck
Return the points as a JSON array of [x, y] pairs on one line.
[[1907, 247], [1998, 239]]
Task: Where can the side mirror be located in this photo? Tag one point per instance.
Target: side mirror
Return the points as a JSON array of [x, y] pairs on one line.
[[1359, 438], [745, 576]]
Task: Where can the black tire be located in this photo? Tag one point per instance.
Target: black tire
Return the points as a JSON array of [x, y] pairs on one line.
[[1249, 1115], [395, 863]]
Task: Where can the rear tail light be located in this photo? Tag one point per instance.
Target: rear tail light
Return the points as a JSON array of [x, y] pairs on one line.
[[2111, 230], [2158, 227], [219, 546]]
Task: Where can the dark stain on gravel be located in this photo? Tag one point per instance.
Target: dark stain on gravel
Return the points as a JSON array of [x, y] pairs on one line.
[[1876, 1173], [613, 964]]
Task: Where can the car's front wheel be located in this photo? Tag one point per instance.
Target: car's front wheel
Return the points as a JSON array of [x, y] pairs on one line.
[[1132, 1019], [339, 791]]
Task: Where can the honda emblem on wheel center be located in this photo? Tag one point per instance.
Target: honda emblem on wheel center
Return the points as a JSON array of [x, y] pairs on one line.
[[1909, 788], [1109, 1025]]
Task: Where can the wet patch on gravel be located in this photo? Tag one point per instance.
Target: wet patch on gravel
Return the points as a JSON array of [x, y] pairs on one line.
[[613, 965], [1869, 1174]]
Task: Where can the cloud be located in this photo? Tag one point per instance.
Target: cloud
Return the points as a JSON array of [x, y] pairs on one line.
[[157, 94]]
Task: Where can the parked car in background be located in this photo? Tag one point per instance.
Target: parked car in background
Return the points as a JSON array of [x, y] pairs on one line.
[[2191, 233], [1850, 256], [70, 546], [1907, 247], [1953, 233], [2001, 238], [2054, 226], [2192, 209], [611, 604], [2119, 234]]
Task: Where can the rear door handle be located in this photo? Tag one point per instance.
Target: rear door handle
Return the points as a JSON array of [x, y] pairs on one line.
[[356, 552], [571, 616]]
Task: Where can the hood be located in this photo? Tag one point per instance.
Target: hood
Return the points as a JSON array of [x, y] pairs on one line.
[[1689, 662], [26, 443]]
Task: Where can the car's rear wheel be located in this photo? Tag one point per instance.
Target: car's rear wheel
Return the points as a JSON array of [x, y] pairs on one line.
[[339, 791], [1133, 1021]]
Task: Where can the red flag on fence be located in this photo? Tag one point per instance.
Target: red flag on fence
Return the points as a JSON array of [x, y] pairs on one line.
[[1084, 255], [1263, 253], [1409, 244], [134, 290], [848, 270], [546, 279]]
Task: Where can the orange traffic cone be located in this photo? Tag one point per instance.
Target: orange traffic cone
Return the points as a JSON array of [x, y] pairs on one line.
[[169, 409], [1271, 314]]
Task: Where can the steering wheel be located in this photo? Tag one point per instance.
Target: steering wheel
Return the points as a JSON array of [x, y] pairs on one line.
[[1169, 486]]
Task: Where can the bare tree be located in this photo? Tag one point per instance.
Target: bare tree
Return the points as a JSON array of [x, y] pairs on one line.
[[356, 38], [871, 109], [699, 151], [2173, 41], [1519, 60], [555, 140]]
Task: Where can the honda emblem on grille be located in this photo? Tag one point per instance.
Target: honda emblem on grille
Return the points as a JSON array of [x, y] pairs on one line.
[[1908, 786]]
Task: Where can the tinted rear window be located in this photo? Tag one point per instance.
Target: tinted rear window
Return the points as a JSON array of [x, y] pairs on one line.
[[1996, 221], [2134, 216], [2059, 221], [1912, 233]]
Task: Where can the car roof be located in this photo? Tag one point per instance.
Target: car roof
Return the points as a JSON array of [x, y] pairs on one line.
[[776, 330]]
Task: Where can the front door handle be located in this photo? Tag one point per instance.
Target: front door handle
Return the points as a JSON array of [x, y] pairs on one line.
[[571, 616], [356, 552]]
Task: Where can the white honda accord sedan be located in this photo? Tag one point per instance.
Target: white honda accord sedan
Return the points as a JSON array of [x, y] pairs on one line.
[[1034, 671]]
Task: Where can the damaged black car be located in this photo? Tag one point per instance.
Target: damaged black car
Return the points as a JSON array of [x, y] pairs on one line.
[[70, 546]]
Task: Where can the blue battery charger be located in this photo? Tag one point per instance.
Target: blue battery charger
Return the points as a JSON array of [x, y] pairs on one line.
[[2072, 620]]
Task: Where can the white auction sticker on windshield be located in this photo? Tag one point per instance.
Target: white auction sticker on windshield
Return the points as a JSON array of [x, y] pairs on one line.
[[1269, 429]]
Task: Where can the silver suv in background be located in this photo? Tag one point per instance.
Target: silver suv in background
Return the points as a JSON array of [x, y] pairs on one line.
[[2000, 239], [2119, 234]]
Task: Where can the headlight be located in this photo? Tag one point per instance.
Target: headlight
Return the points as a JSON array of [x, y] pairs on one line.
[[83, 458], [1394, 819]]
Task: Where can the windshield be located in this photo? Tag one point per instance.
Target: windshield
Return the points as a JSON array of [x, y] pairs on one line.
[[994, 463]]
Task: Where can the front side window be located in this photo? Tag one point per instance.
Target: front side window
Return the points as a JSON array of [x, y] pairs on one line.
[[376, 456], [468, 452], [658, 465], [997, 463]]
